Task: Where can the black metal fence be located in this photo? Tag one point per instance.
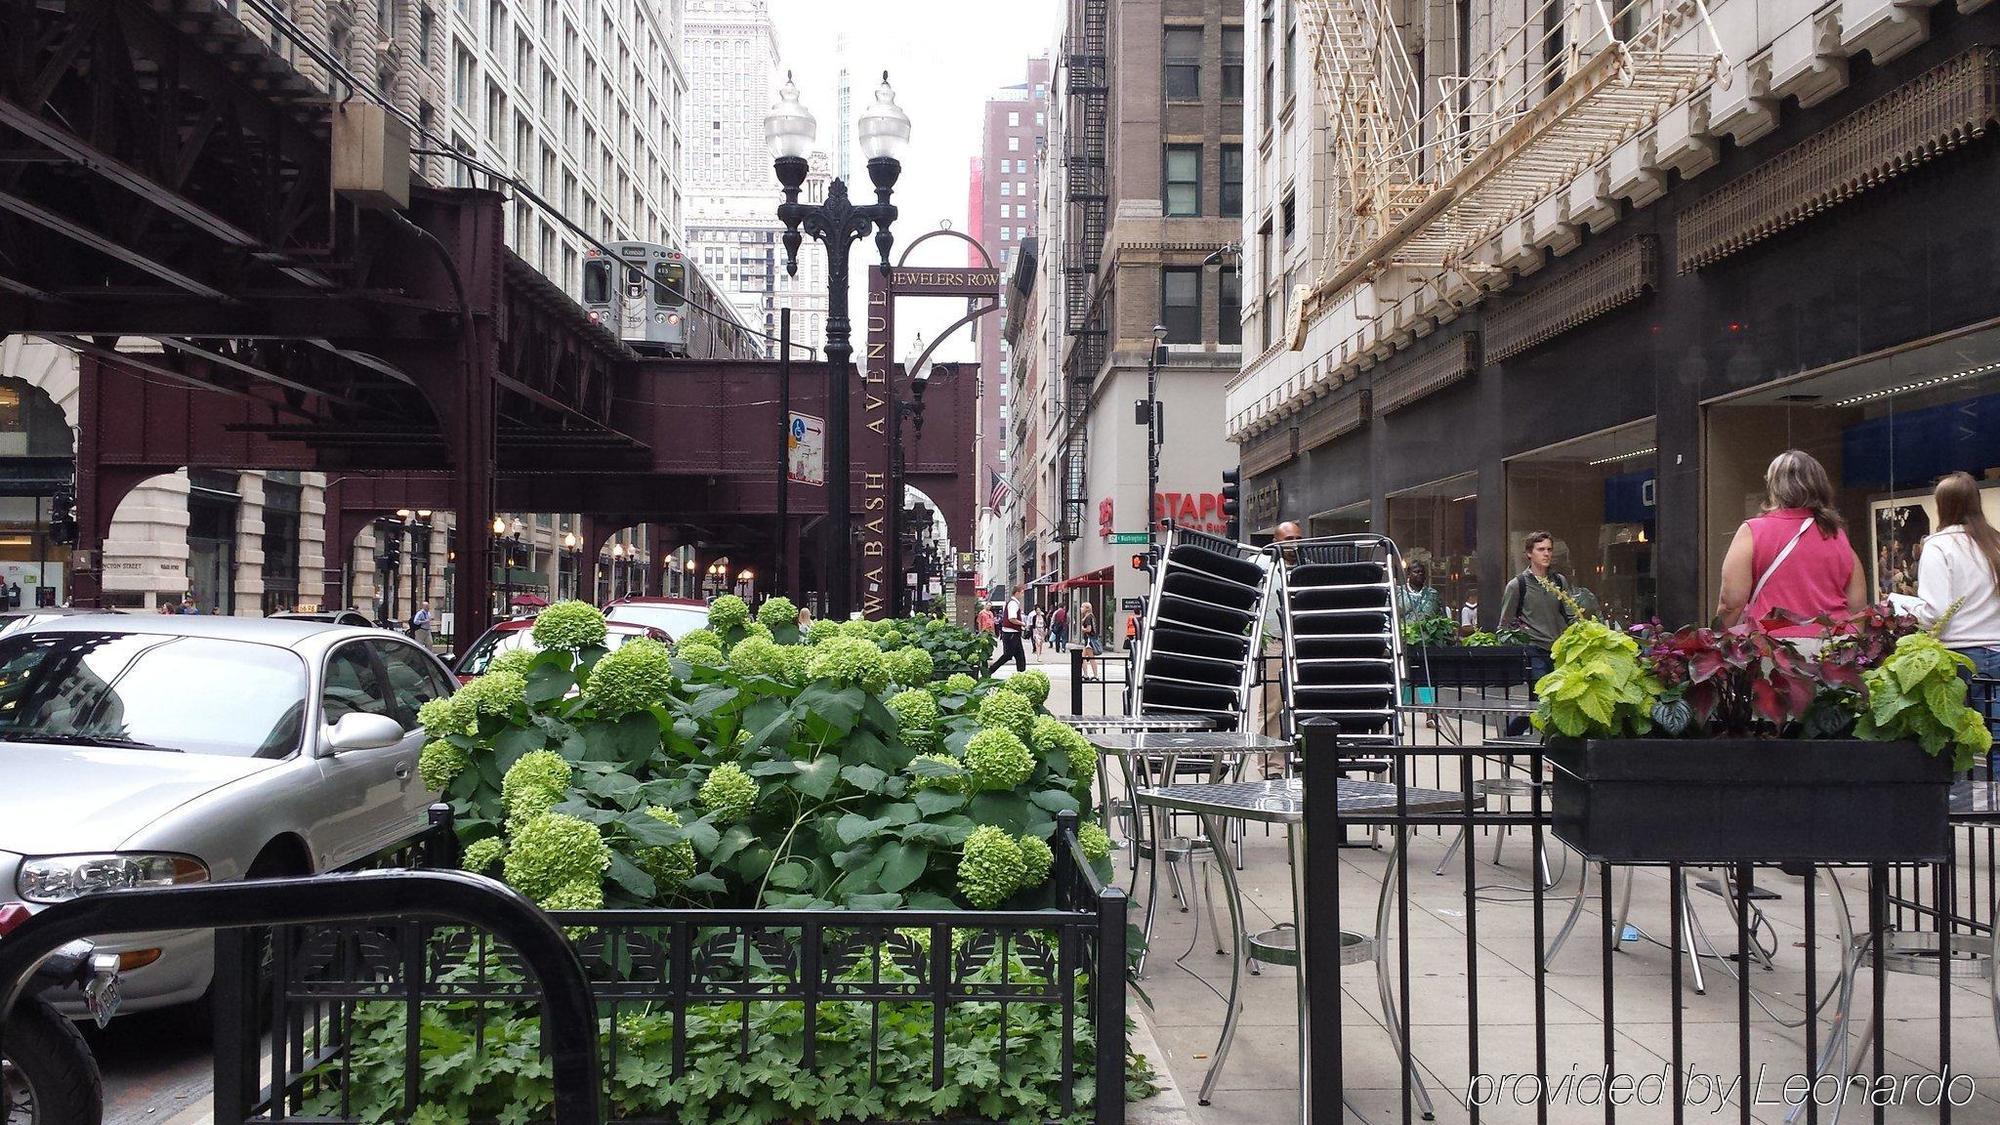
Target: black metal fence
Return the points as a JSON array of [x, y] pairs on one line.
[[892, 1015], [1445, 978]]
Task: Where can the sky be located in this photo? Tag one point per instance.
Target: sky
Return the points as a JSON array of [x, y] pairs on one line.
[[944, 57]]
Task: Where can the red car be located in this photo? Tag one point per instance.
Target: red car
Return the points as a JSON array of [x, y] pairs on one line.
[[516, 634], [672, 616]]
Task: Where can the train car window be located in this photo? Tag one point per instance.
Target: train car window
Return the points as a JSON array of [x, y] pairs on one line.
[[597, 282], [669, 280]]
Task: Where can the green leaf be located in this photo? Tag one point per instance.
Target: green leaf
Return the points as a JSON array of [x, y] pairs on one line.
[[829, 708], [816, 778], [734, 840], [854, 828], [549, 681], [866, 778], [626, 874], [902, 865], [703, 835], [621, 788], [773, 768], [874, 902], [1008, 811], [768, 720], [704, 884], [790, 875], [931, 802], [646, 830], [709, 699], [1056, 801], [852, 859], [948, 834]]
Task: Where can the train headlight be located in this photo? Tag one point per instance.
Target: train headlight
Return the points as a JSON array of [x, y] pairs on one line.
[[673, 318], [594, 318]]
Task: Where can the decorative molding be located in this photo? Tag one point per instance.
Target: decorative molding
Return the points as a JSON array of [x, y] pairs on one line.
[[1432, 370], [1938, 111], [1617, 276], [1268, 450], [1331, 417]]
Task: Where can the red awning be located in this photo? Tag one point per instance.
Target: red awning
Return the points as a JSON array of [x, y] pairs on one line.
[[529, 601], [1099, 577]]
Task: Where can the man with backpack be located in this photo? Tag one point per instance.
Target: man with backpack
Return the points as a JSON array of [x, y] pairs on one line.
[[1532, 607]]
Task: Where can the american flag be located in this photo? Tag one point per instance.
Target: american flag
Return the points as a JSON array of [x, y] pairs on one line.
[[1001, 490]]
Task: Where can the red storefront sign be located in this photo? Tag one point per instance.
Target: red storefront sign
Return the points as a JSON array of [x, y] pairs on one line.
[[1199, 510]]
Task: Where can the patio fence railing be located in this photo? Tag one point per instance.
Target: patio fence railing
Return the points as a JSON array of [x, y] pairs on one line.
[[362, 1015]]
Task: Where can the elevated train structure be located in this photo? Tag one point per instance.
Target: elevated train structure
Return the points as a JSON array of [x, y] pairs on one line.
[[659, 304]]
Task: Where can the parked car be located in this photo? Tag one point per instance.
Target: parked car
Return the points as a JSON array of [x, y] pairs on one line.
[[154, 751], [518, 633], [352, 617], [672, 616], [15, 619]]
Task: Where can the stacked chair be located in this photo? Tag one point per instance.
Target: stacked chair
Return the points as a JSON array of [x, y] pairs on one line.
[[1343, 637]]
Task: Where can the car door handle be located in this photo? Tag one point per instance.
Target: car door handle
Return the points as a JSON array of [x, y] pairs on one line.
[[402, 771]]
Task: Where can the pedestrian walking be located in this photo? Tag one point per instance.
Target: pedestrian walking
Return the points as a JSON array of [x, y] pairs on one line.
[[1034, 623], [986, 619], [1059, 627], [1529, 606], [805, 619], [1010, 635], [1418, 599], [420, 624], [1086, 631], [1468, 614], [1794, 557], [1960, 565]]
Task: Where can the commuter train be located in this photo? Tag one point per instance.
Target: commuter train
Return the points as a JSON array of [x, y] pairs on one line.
[[659, 304]]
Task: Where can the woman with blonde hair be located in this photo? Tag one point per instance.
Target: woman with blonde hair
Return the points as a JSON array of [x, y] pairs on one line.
[[1960, 565], [1795, 556]]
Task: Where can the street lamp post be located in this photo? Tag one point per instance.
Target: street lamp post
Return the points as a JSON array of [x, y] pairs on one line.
[[568, 567], [507, 547], [884, 131], [1153, 440]]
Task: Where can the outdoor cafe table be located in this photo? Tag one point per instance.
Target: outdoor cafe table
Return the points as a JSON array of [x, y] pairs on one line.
[[1282, 801]]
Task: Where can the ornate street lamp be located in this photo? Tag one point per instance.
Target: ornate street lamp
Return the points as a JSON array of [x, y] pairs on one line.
[[569, 567], [884, 132]]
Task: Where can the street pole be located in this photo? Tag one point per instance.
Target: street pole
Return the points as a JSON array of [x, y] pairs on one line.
[[784, 446], [1153, 442]]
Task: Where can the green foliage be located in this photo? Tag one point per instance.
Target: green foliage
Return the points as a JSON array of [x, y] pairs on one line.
[[951, 648], [700, 636], [1598, 688], [517, 660], [1481, 639], [451, 715], [482, 855], [1094, 841], [992, 867], [1053, 736], [910, 666], [669, 865], [822, 630], [705, 655], [1033, 683], [495, 693], [998, 759], [778, 612], [632, 677], [728, 612], [761, 656], [914, 709], [552, 851], [728, 793], [439, 762], [1008, 710], [534, 784], [1431, 630], [1037, 860], [849, 659], [1918, 694], [958, 683], [568, 626]]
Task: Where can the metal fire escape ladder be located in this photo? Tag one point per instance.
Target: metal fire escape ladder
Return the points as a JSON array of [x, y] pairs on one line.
[[1086, 148], [1551, 96]]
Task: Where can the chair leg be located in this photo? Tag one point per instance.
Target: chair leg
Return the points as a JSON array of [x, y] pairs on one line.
[[1456, 842], [1208, 906]]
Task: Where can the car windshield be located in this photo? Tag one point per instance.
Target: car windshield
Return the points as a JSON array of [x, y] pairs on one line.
[[673, 620], [494, 643], [199, 695]]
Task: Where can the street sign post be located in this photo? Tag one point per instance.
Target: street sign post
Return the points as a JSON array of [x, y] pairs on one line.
[[805, 444], [1124, 537]]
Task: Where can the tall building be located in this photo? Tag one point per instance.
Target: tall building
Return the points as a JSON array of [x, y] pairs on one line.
[[1003, 210], [733, 227], [1586, 270], [1145, 157], [580, 101]]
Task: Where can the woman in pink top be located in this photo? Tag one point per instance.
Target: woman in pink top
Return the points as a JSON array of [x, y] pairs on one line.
[[1795, 556]]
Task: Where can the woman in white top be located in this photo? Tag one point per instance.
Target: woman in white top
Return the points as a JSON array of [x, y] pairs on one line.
[[1960, 564]]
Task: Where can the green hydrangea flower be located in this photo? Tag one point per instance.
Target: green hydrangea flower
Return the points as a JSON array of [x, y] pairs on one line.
[[481, 855], [632, 677], [911, 666], [672, 864], [1053, 734], [446, 716], [513, 660], [858, 627], [1033, 683], [569, 625], [850, 660], [990, 868], [582, 894], [950, 783], [439, 763], [701, 636], [797, 657], [708, 656], [778, 612], [553, 850], [821, 631], [1009, 710], [760, 656], [728, 612], [495, 693], [1037, 860], [914, 708], [535, 783], [998, 760], [1094, 841], [757, 630], [958, 683], [728, 793]]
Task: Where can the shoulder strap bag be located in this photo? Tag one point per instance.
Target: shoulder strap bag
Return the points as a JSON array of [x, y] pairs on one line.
[[1779, 561]]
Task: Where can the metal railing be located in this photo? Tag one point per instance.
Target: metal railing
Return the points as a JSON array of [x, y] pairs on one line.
[[361, 1014]]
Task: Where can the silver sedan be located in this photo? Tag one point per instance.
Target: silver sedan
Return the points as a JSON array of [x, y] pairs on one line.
[[153, 751]]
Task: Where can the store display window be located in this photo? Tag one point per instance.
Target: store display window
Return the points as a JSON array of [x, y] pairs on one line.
[[1436, 524], [1596, 495], [1350, 520], [1886, 427]]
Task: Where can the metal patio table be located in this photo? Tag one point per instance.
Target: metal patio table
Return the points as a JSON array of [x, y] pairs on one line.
[[1283, 802], [1088, 725]]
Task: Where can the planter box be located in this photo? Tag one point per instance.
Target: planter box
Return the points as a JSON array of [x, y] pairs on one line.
[[1488, 667], [1750, 801]]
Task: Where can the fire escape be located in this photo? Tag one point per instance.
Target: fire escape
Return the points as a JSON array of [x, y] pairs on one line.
[[1087, 184], [1424, 186]]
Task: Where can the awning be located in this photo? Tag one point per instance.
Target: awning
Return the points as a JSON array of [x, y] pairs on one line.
[[1099, 577], [529, 601]]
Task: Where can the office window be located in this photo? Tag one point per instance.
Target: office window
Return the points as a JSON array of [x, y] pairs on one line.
[[1232, 181], [1232, 64], [1013, 144], [1041, 119], [1180, 297], [1287, 213], [1229, 308], [1006, 187], [463, 78], [426, 26], [1266, 255], [1291, 59], [1013, 120], [1183, 195], [1182, 64]]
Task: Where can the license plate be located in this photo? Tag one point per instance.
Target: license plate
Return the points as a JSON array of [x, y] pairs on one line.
[[101, 997]]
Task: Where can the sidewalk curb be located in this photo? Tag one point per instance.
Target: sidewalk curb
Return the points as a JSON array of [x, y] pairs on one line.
[[1169, 1106]]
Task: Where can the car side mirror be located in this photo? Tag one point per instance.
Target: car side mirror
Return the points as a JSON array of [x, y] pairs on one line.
[[449, 657], [359, 730]]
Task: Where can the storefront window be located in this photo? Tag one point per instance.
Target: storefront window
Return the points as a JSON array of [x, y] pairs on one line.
[[1886, 427], [1351, 520], [1596, 496], [1436, 524]]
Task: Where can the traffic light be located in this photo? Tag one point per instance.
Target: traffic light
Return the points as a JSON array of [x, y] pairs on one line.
[[1232, 503], [62, 519]]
